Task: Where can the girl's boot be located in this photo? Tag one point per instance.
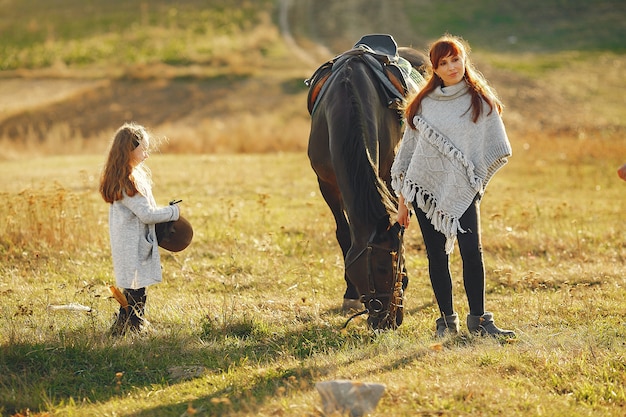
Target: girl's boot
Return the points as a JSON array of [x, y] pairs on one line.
[[136, 305], [130, 318], [118, 328], [485, 326]]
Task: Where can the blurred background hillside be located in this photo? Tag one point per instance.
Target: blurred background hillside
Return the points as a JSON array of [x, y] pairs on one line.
[[227, 75]]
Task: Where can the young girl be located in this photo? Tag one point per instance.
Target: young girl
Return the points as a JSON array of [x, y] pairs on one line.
[[454, 143], [126, 184]]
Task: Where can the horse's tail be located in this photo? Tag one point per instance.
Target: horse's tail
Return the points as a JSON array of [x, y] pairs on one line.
[[363, 172]]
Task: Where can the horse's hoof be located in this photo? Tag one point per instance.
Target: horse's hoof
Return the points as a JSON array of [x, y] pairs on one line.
[[351, 306]]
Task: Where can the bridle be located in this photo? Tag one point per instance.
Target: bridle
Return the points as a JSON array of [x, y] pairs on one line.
[[372, 299]]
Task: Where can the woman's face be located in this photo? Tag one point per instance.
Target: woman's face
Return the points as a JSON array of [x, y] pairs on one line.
[[139, 154], [451, 69]]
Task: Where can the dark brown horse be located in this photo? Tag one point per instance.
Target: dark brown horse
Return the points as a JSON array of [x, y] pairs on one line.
[[355, 128]]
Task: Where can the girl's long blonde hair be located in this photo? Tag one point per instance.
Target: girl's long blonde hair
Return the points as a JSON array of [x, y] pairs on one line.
[[449, 45], [118, 175]]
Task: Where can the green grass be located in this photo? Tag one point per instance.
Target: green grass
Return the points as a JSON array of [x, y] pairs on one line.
[[496, 26], [247, 320], [529, 26], [72, 33]]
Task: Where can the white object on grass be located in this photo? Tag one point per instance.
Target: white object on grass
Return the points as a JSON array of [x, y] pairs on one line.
[[69, 307], [356, 398]]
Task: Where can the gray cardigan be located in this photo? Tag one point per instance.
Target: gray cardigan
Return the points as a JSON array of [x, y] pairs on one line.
[[134, 247]]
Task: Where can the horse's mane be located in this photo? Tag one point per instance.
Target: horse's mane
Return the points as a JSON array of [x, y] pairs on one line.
[[371, 194]]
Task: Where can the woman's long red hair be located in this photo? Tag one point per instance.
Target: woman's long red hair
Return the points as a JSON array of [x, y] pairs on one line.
[[480, 91]]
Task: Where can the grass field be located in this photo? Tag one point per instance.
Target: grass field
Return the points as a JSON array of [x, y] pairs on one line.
[[247, 319]]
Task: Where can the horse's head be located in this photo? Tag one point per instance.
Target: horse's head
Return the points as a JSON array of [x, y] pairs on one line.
[[418, 60], [377, 271]]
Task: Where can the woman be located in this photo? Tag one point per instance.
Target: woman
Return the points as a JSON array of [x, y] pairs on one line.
[[126, 184], [454, 142]]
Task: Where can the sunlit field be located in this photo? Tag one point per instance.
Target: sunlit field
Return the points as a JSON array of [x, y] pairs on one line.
[[247, 319]]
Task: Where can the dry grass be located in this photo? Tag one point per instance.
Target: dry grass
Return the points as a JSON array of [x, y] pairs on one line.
[[246, 320]]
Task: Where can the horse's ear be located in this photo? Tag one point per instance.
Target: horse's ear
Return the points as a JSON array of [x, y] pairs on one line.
[[396, 227]]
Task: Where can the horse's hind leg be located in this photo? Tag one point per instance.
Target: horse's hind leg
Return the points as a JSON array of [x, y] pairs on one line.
[[333, 199]]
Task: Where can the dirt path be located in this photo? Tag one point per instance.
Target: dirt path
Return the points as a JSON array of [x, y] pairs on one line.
[[23, 93]]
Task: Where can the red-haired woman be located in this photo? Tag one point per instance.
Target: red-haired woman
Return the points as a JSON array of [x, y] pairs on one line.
[[454, 143], [126, 184]]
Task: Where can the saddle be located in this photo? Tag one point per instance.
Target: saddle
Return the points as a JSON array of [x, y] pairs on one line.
[[380, 52]]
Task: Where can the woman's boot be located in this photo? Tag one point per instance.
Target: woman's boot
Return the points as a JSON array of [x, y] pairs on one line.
[[485, 326], [447, 325]]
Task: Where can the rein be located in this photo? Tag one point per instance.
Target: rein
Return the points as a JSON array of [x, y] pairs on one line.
[[372, 297]]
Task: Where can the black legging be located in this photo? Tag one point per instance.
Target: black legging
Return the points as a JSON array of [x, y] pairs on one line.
[[470, 248]]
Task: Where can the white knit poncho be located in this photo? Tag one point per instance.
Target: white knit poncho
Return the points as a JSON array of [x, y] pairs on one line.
[[448, 159]]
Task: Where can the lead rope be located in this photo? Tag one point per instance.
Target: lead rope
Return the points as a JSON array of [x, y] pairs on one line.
[[397, 290], [368, 250], [360, 313]]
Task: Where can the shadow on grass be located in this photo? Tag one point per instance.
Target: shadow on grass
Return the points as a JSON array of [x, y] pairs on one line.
[[83, 367]]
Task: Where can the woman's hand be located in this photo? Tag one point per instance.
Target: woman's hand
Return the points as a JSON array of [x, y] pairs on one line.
[[404, 216]]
